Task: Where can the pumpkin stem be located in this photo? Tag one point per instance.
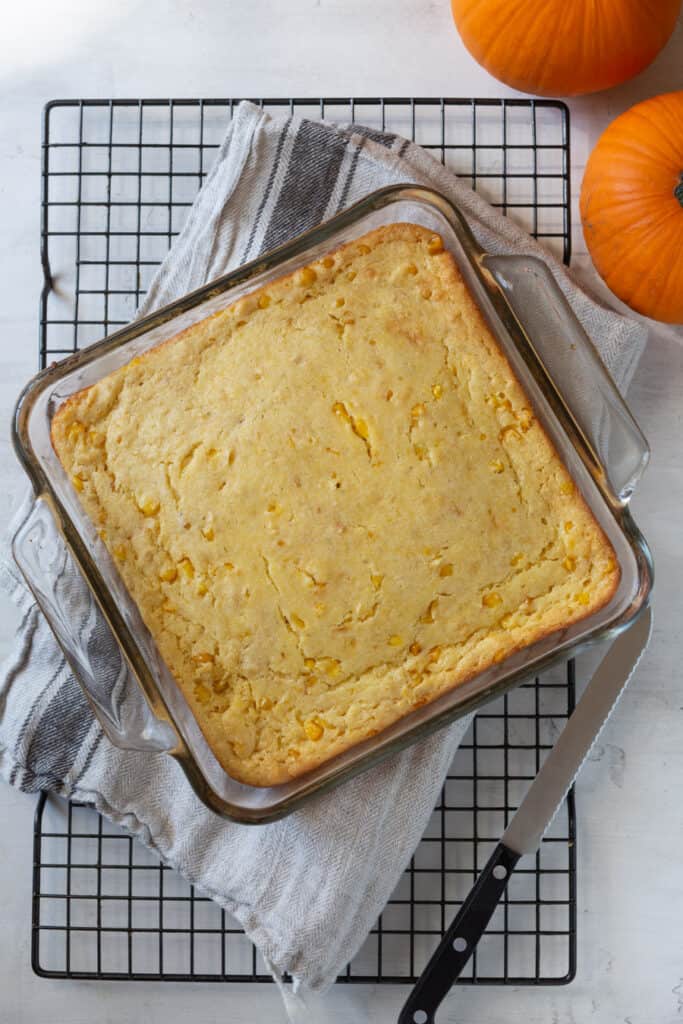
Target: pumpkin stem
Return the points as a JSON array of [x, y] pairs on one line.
[[678, 191]]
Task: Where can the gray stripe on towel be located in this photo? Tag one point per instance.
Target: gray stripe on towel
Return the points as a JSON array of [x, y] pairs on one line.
[[311, 176]]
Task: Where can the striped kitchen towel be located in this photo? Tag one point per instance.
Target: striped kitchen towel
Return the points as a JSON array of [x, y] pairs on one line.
[[306, 889]]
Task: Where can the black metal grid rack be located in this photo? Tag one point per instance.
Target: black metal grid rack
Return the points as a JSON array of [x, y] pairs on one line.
[[118, 178]]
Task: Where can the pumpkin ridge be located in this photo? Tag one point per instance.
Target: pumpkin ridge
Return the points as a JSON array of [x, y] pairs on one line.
[[640, 278], [670, 272], [615, 202], [654, 273], [659, 137], [646, 227], [643, 141]]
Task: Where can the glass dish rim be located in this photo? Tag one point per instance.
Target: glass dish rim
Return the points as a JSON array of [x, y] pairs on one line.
[[303, 244]]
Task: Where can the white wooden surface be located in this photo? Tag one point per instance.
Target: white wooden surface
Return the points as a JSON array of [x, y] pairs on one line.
[[630, 793]]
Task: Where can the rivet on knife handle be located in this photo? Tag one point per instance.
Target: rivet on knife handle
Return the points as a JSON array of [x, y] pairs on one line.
[[458, 943]]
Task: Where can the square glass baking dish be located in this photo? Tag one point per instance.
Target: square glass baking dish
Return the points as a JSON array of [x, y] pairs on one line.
[[141, 707]]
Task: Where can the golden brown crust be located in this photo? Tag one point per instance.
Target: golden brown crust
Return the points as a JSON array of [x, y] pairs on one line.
[[332, 503]]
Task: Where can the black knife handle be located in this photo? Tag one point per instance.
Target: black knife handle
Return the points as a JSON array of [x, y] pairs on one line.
[[459, 942]]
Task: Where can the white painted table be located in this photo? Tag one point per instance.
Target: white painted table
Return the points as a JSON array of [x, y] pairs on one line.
[[630, 795]]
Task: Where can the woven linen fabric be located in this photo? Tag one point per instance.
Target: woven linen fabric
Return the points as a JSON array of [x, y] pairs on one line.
[[308, 888]]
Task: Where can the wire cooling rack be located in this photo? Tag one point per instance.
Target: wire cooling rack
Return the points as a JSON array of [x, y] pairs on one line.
[[118, 178]]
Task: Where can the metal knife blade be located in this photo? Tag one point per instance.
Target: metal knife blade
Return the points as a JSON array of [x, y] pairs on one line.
[[563, 763]]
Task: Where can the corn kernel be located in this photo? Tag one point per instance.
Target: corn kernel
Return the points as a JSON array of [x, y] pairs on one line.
[[207, 533], [434, 654], [297, 621], [496, 466], [148, 506], [332, 667], [96, 438], [568, 526], [229, 566], [363, 249], [231, 456], [395, 640], [309, 663], [339, 301], [569, 563], [583, 597], [169, 575], [313, 730], [417, 411], [134, 362], [77, 481], [507, 620], [491, 600], [437, 391], [203, 658], [498, 656], [434, 245], [306, 276], [420, 451], [516, 559], [389, 395], [351, 276], [446, 570], [202, 588], [611, 565], [361, 428], [376, 580], [264, 301], [567, 487], [202, 693], [120, 552], [525, 418], [265, 704], [328, 262], [482, 437], [411, 269], [274, 508], [415, 647], [75, 431], [429, 614], [186, 568]]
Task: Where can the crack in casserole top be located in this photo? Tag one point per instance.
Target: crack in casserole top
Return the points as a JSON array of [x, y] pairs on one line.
[[332, 502]]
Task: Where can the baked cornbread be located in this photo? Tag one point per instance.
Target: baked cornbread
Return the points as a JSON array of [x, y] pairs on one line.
[[332, 503]]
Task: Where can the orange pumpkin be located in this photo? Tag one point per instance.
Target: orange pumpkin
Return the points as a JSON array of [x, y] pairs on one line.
[[632, 207], [564, 47]]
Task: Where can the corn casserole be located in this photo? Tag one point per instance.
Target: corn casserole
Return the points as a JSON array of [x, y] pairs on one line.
[[332, 502]]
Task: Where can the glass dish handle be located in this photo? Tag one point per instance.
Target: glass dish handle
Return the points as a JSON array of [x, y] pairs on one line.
[[615, 443], [86, 640]]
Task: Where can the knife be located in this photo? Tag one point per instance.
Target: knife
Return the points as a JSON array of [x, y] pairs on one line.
[[526, 829]]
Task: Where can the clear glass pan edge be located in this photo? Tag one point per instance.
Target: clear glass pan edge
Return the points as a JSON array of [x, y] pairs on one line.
[[298, 251]]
